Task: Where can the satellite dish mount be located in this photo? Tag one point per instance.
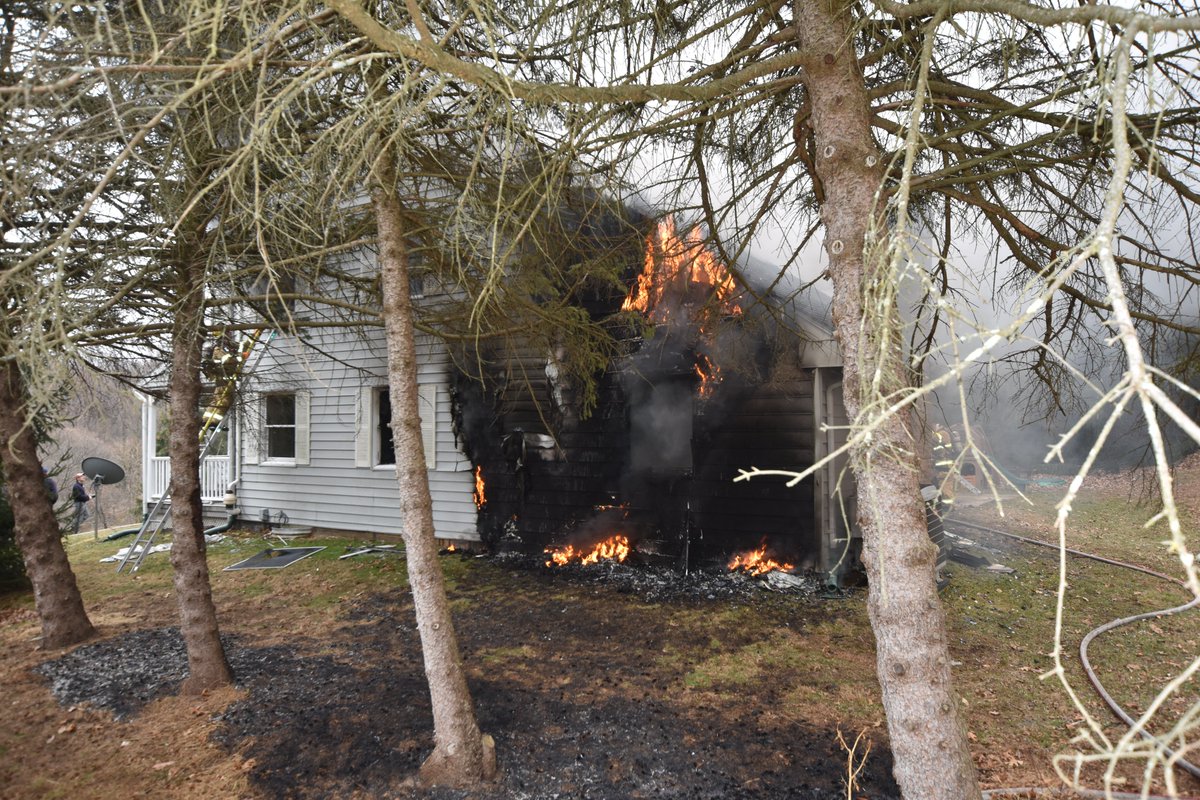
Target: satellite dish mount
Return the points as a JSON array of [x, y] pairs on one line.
[[101, 471]]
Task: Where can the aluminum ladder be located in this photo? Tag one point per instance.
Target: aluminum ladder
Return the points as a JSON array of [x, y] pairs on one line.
[[213, 423]]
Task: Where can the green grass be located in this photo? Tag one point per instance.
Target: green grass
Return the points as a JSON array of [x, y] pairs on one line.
[[505, 655], [1011, 619], [745, 665]]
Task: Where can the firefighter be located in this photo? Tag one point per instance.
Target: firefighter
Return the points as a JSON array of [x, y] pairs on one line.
[[944, 453]]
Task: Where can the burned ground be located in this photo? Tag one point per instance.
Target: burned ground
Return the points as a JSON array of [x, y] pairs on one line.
[[601, 682], [572, 687]]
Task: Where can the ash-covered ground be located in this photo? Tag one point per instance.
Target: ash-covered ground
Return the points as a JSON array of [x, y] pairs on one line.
[[572, 690]]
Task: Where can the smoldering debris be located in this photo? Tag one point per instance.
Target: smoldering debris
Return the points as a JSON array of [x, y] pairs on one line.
[[657, 583]]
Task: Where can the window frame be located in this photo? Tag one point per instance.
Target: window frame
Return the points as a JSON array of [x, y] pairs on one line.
[[267, 427], [368, 433], [382, 438]]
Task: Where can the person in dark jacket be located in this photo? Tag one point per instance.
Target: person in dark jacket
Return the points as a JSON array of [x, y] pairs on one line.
[[51, 486], [79, 494]]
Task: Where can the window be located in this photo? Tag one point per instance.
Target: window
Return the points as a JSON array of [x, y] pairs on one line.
[[281, 426], [374, 441], [275, 428], [387, 444]]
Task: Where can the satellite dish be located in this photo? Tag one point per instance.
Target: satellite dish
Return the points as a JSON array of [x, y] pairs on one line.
[[102, 469]]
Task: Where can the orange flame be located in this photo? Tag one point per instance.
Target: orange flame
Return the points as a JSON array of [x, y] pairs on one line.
[[614, 548], [478, 495], [756, 562], [676, 267], [710, 376]]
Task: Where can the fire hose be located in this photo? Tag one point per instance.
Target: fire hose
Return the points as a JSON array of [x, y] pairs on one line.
[[1108, 699]]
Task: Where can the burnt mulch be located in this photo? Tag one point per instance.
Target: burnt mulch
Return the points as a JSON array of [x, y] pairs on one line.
[[566, 681], [125, 673]]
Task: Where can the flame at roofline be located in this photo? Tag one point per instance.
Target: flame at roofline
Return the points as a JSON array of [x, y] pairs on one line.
[[675, 270]]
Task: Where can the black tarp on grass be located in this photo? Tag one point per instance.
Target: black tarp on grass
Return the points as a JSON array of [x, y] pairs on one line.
[[275, 558]]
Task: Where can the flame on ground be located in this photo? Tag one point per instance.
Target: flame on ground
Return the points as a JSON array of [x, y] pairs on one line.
[[614, 548], [756, 562], [675, 267], [478, 495]]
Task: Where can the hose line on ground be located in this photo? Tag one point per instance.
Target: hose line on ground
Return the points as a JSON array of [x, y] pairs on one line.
[[1108, 699], [1067, 794]]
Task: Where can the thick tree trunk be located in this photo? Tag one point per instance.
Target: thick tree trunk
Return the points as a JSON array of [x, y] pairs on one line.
[[928, 739], [55, 593], [207, 664], [461, 755]]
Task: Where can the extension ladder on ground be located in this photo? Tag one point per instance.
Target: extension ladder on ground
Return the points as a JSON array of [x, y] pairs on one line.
[[213, 424]]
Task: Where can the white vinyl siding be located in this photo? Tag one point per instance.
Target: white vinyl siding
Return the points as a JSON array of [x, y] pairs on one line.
[[340, 486]]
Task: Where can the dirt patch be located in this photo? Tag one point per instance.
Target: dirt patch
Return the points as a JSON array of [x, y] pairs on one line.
[[581, 678]]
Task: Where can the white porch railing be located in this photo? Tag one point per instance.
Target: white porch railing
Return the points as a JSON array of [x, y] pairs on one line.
[[214, 477]]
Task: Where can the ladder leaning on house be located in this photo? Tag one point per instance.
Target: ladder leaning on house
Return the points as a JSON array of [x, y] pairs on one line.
[[212, 424]]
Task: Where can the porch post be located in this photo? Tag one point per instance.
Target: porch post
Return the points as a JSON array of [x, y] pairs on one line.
[[149, 435]]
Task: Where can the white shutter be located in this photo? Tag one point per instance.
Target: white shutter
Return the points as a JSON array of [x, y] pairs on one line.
[[364, 426], [251, 424], [427, 407], [302, 428]]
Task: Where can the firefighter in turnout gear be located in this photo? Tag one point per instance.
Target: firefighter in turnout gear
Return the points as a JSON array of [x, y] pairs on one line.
[[945, 450]]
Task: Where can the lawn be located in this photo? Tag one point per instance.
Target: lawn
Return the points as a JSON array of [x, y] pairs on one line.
[[590, 687]]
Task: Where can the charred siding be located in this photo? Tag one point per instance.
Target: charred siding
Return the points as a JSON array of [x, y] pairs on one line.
[[549, 477], [772, 428], [537, 490]]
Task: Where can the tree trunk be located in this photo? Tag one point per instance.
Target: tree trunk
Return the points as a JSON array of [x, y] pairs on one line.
[[928, 739], [461, 755], [55, 593], [207, 664]]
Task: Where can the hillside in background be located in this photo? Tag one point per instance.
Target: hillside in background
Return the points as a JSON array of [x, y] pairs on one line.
[[103, 419]]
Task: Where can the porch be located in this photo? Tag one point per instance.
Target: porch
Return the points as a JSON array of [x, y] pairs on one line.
[[214, 477]]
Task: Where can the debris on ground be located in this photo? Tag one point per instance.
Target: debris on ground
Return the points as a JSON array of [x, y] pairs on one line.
[[274, 558], [785, 581], [376, 549], [121, 554], [657, 583]]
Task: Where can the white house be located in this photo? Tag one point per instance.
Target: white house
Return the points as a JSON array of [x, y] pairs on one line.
[[309, 443]]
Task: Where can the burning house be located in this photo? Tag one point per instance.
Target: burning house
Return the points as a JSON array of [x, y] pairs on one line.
[[710, 381]]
